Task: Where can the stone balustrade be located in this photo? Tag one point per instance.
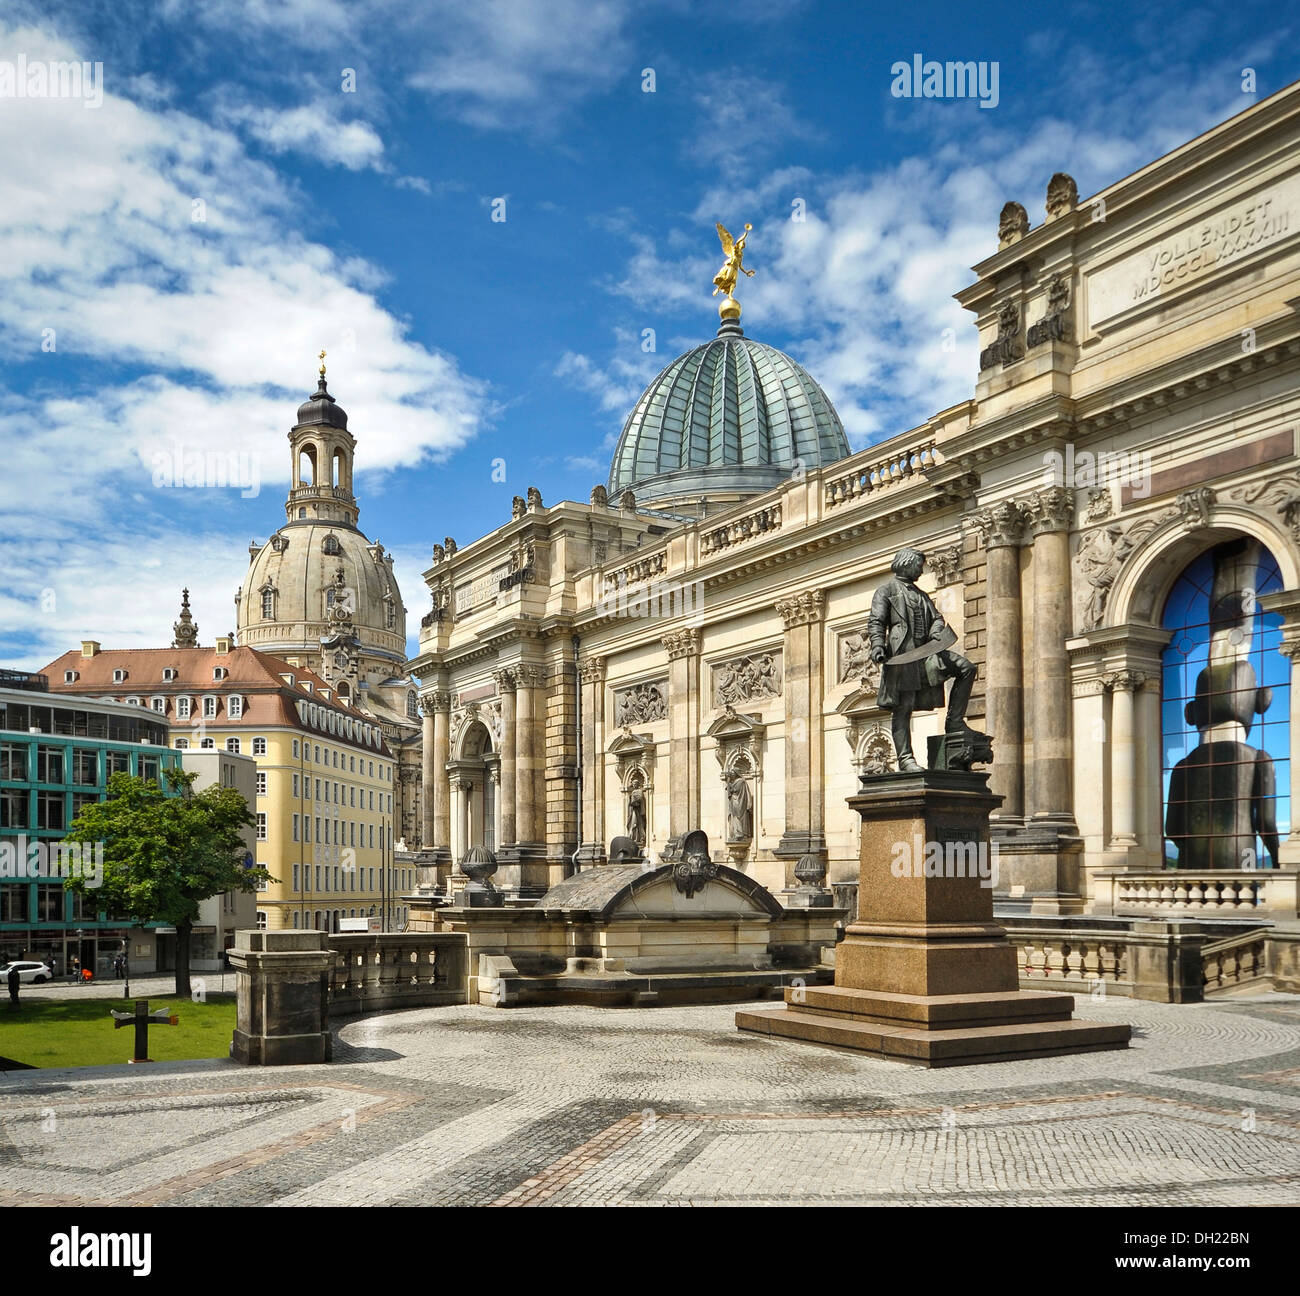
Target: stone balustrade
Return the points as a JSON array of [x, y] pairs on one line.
[[880, 473], [1238, 961], [397, 970], [738, 530], [1245, 892], [636, 573]]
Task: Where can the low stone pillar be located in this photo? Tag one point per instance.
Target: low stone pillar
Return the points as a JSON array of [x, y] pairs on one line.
[[282, 984]]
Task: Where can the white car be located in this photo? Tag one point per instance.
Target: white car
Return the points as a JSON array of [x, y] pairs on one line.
[[27, 973]]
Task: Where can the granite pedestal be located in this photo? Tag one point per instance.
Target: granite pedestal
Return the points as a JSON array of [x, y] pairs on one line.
[[925, 975]]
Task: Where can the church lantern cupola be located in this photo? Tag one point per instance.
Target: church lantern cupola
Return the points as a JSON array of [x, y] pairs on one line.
[[322, 449]]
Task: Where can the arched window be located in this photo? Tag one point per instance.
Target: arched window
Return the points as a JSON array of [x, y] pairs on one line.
[[1226, 706], [411, 709], [268, 604], [307, 466]]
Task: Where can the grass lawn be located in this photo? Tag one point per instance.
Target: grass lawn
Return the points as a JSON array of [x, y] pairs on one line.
[[75, 1033]]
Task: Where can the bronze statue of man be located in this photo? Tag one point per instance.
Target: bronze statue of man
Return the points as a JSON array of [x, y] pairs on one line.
[[903, 620]]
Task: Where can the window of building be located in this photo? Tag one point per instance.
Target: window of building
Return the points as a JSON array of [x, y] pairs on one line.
[[49, 902], [208, 743], [85, 766], [219, 672], [169, 674], [295, 867], [296, 831], [297, 786], [182, 744], [295, 921], [49, 764], [13, 902], [117, 762], [261, 920], [209, 706], [259, 746], [119, 675], [50, 810], [159, 704], [1226, 705], [69, 677], [261, 826], [149, 767], [183, 705], [261, 782], [235, 706], [297, 749], [318, 836], [13, 761], [232, 745]]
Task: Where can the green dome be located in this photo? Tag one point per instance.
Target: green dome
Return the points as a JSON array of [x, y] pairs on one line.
[[730, 416]]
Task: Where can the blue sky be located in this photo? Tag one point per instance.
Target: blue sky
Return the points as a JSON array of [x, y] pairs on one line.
[[361, 222]]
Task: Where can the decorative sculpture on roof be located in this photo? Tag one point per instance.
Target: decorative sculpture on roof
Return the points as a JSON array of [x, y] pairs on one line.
[[725, 280]]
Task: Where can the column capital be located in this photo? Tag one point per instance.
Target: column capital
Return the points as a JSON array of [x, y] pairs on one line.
[[432, 703], [805, 608], [528, 676], [591, 670], [681, 643], [1001, 525], [1050, 510], [1125, 681], [505, 680]]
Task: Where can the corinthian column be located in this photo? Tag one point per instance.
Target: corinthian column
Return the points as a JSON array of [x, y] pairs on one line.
[[592, 676], [1002, 528], [1123, 686], [683, 647], [1050, 514], [529, 806], [802, 687], [428, 772], [505, 681]]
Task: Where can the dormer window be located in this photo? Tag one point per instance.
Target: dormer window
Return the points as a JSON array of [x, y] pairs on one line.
[[71, 677], [235, 706], [279, 543], [330, 544], [169, 674], [219, 672], [159, 704], [119, 675], [209, 706]]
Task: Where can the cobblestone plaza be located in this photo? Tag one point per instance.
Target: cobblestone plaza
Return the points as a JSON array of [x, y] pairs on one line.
[[673, 1107]]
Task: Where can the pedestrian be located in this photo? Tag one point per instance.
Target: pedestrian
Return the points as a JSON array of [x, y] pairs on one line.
[[118, 970], [15, 980]]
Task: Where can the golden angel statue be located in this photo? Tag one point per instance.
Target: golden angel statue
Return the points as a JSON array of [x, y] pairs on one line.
[[725, 280]]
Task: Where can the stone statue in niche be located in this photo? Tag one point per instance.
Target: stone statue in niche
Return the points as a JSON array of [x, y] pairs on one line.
[[911, 641], [740, 809], [636, 813], [1224, 791]]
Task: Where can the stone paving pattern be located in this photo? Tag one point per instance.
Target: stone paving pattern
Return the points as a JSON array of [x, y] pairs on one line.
[[673, 1107]]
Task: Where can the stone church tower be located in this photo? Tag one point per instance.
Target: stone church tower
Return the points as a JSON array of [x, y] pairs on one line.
[[320, 594]]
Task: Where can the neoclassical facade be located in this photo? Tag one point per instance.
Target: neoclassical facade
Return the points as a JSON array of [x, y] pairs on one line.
[[1112, 526]]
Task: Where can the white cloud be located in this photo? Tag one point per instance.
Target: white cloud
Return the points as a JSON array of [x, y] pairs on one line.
[[313, 129], [219, 317]]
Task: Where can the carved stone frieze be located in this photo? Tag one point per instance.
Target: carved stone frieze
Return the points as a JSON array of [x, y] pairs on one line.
[[747, 679], [1101, 554], [641, 703], [1282, 494], [1195, 506], [853, 659]]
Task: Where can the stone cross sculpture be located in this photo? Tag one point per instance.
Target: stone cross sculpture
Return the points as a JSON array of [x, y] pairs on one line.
[[142, 1019], [911, 640]]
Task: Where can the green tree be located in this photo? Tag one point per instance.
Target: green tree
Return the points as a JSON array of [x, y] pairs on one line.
[[163, 854]]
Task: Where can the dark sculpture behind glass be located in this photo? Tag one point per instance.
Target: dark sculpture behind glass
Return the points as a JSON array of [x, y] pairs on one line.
[[1223, 792], [910, 639]]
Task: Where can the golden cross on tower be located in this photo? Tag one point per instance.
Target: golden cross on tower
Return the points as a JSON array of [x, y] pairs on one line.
[[322, 364]]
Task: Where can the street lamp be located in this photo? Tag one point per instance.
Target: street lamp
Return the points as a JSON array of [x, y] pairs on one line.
[[126, 964]]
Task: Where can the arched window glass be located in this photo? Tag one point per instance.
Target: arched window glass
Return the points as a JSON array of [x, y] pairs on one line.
[[1225, 720]]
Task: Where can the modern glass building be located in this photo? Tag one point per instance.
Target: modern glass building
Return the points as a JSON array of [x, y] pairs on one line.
[[56, 755]]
